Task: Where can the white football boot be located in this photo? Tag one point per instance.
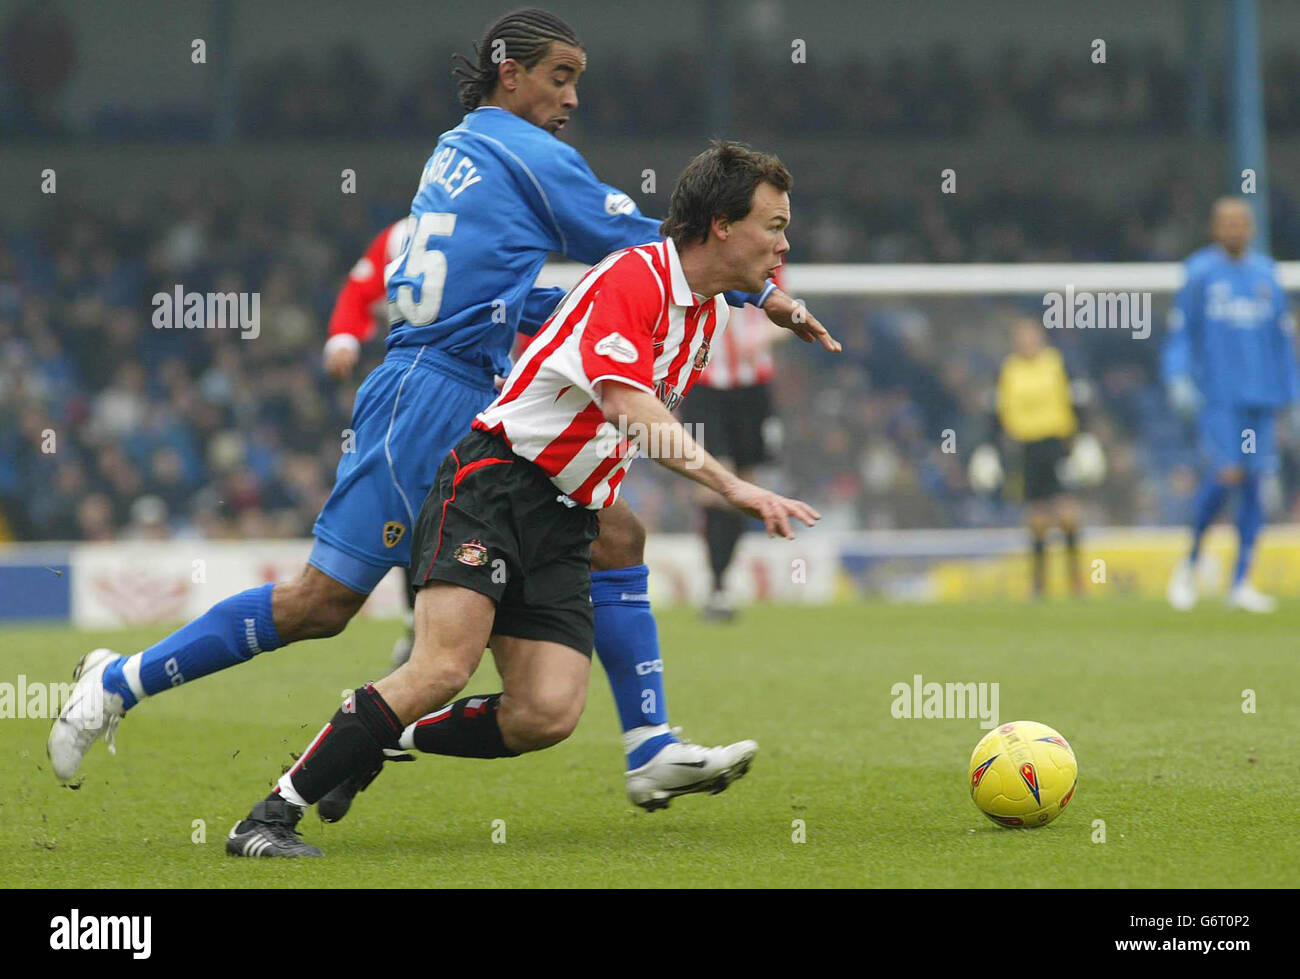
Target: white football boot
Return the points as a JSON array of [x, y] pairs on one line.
[[1182, 590], [682, 767], [89, 713], [1244, 596]]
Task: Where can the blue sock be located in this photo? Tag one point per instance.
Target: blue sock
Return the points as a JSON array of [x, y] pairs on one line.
[[627, 642], [1250, 517], [229, 633], [1209, 500]]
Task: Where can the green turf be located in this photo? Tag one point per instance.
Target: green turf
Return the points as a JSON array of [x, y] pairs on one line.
[[1193, 791]]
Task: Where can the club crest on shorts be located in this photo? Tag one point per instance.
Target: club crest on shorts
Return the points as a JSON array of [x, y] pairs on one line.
[[393, 532], [472, 552], [702, 356]]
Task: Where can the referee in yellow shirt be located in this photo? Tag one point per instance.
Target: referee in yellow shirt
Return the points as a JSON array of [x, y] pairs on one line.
[[1034, 410]]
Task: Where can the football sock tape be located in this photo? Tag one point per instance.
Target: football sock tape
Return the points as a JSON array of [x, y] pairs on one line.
[[467, 728], [352, 743]]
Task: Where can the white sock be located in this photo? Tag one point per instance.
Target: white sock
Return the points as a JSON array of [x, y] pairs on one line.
[[638, 736], [131, 674], [289, 794], [406, 741]]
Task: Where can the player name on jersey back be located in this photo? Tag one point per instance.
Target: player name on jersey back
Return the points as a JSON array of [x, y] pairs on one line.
[[451, 169], [496, 197]]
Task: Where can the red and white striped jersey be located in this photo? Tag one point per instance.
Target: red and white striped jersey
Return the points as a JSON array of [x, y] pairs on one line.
[[744, 356], [633, 319]]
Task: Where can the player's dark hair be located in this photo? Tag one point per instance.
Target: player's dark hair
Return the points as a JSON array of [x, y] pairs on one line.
[[720, 182], [527, 35]]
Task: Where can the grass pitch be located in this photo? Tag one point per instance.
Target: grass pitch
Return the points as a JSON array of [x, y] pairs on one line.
[[1193, 791]]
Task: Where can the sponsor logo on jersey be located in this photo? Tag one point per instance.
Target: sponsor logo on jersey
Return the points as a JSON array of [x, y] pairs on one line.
[[1240, 312], [618, 204], [393, 532], [617, 348], [473, 553], [667, 395]]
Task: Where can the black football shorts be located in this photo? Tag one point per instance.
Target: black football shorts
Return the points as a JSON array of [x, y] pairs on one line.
[[730, 422], [494, 523], [1040, 460]]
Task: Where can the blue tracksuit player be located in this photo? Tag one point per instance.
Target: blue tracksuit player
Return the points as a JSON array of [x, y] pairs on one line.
[[1230, 362]]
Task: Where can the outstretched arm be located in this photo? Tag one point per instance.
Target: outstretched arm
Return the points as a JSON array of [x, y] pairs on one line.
[[789, 313], [638, 414]]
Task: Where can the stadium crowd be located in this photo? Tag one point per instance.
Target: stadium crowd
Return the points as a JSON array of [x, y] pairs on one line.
[[110, 427], [937, 91]]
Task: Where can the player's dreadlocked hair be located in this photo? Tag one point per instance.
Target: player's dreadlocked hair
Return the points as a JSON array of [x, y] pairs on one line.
[[720, 182], [526, 33]]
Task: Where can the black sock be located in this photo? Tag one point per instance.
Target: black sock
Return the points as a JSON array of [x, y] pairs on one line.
[[353, 744], [1072, 556], [1040, 564], [722, 530], [466, 729]]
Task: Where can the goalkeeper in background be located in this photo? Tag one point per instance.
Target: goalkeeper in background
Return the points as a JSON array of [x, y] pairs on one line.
[[1036, 410], [1230, 363]]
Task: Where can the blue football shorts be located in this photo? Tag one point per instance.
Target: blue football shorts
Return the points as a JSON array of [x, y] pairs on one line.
[[409, 413], [1238, 436]]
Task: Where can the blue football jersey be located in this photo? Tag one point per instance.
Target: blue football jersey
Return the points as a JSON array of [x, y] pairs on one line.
[[498, 195], [1231, 332]]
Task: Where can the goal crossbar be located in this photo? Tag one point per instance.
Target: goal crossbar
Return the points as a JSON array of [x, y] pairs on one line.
[[962, 279]]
